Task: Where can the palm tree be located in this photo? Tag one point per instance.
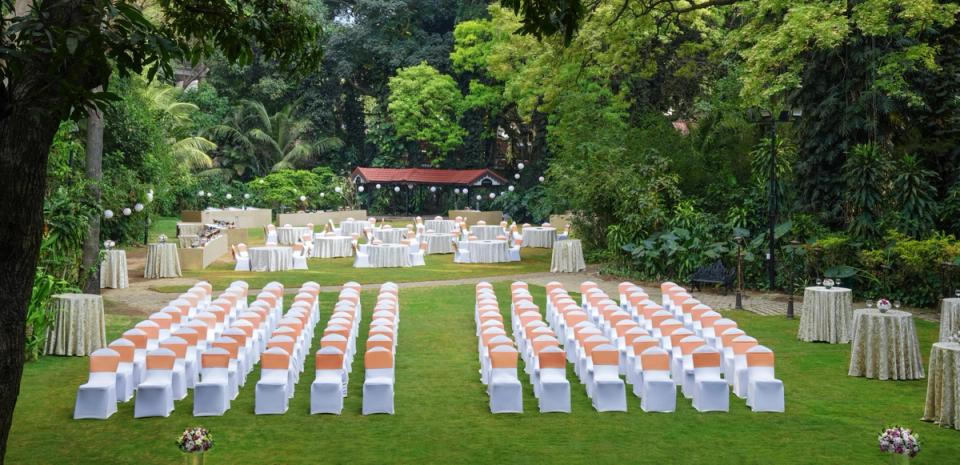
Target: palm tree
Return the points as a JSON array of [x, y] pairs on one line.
[[192, 151]]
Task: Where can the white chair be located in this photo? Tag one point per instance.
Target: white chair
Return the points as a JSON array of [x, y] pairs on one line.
[[211, 395], [299, 257], [179, 347], [125, 380], [327, 389], [272, 392], [416, 258], [155, 393], [504, 389], [609, 391], [711, 394], [361, 259], [460, 255], [241, 256], [741, 344], [659, 393], [139, 339], [378, 381], [764, 391], [97, 398], [565, 234], [552, 385], [271, 238], [513, 254]]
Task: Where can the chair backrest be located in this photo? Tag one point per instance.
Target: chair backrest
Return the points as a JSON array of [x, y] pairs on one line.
[[334, 340], [378, 358], [151, 328], [329, 358], [743, 343], [175, 344], [690, 343], [161, 359], [642, 343], [760, 356], [679, 335], [655, 359], [137, 337], [605, 354], [284, 342], [380, 340], [215, 357], [552, 357], [275, 359], [104, 360], [729, 335], [125, 348], [191, 335], [504, 356]]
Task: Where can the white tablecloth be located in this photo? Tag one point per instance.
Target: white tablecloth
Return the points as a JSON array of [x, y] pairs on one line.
[[885, 345], [390, 236], [949, 318], [487, 232], [353, 227], [332, 246], [163, 261], [482, 251], [78, 326], [567, 257], [291, 235], [193, 229], [538, 236], [187, 240], [271, 258], [113, 269], [438, 242], [943, 386], [827, 315], [440, 226], [388, 255]]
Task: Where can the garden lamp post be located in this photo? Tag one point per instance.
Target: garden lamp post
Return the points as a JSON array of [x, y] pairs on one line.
[[793, 278], [739, 302]]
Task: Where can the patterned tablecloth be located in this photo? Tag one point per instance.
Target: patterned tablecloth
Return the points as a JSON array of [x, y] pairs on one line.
[[438, 242], [163, 261], [113, 269], [440, 226], [332, 246], [949, 318], [78, 327], [827, 315], [485, 251], [885, 345], [193, 229], [487, 232], [538, 236], [291, 235], [567, 257], [187, 240], [271, 258], [943, 385], [353, 227], [390, 236], [388, 255]]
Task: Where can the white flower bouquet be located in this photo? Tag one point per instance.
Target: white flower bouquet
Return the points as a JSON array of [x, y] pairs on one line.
[[195, 440], [883, 305], [900, 441]]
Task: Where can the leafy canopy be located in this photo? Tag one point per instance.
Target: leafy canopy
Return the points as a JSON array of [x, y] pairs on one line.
[[424, 106]]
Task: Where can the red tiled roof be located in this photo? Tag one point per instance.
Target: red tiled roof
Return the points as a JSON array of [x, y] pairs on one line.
[[424, 176]]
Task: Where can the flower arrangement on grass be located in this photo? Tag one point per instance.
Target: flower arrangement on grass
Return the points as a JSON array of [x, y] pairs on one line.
[[900, 441], [195, 440]]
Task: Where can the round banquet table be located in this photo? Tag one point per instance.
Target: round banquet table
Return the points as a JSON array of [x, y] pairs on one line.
[[193, 229], [943, 385], [885, 345], [353, 227], [163, 261], [390, 236], [949, 318], [271, 258], [485, 251], [113, 269], [487, 232], [332, 246], [827, 315], [539, 236], [567, 257], [440, 226], [388, 255], [291, 235], [78, 326], [438, 242]]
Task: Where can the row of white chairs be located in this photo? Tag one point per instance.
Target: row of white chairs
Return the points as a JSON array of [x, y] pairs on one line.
[[334, 360], [380, 355], [497, 353], [544, 360]]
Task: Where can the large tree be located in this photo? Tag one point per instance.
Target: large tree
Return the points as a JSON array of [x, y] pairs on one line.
[[53, 54]]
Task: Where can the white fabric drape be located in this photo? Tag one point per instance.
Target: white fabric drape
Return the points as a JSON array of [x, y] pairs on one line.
[[567, 257], [943, 386], [440, 226], [949, 318], [78, 327], [537, 236], [390, 236], [163, 261], [113, 269], [271, 258], [827, 315], [486, 251], [291, 235], [353, 227], [332, 246], [486, 232], [885, 345], [388, 255], [438, 242]]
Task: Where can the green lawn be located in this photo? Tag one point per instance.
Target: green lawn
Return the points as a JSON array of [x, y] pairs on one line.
[[443, 417]]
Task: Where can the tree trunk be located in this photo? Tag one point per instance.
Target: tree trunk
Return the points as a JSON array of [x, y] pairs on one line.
[[90, 271]]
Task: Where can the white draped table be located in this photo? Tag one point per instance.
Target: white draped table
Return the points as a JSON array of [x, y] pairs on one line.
[[291, 235], [567, 257], [438, 242], [353, 227], [885, 345], [943, 385], [827, 315], [485, 251], [193, 229], [163, 261], [486, 232], [78, 326], [949, 318], [113, 269], [390, 236], [332, 246], [388, 255], [440, 226], [271, 258], [539, 236]]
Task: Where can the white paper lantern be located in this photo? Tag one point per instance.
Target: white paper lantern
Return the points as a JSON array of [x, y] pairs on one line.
[[410, 186], [433, 188], [126, 211], [493, 196], [378, 186], [246, 196], [540, 178], [209, 194], [108, 214], [464, 191], [360, 189], [519, 166], [337, 189], [502, 192], [511, 188], [456, 190], [323, 194], [138, 207], [516, 176], [396, 188], [150, 196], [201, 193], [479, 197], [229, 196], [303, 198]]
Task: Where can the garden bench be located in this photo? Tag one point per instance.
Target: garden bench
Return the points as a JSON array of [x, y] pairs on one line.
[[714, 273]]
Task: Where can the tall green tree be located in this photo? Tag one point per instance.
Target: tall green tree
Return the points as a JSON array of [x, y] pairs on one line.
[[424, 106]]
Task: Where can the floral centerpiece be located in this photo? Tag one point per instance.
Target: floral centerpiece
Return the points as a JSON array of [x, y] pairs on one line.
[[901, 443], [883, 305], [109, 245], [162, 238], [828, 283], [195, 441]]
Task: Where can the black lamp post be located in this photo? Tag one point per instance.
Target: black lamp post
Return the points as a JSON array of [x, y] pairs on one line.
[[739, 303], [793, 278]]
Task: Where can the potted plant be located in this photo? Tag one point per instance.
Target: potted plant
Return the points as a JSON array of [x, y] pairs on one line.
[[901, 443], [194, 442]]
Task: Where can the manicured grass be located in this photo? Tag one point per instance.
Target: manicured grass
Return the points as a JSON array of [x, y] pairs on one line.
[[443, 417]]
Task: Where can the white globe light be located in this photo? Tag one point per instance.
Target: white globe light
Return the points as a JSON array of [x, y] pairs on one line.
[[360, 189], [201, 193], [396, 188], [209, 194], [540, 178], [337, 189], [433, 188], [479, 197], [456, 190], [501, 192], [323, 194], [410, 186], [229, 196], [519, 166], [262, 181], [493, 196], [303, 198], [108, 214], [126, 211], [516, 176], [150, 196], [464, 191], [511, 188], [246, 196], [138, 207], [378, 186]]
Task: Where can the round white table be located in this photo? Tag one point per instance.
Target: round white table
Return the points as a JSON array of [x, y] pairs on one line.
[[486, 251], [487, 232], [949, 318], [78, 326], [440, 226], [827, 315], [291, 235], [353, 227], [271, 258], [943, 386], [567, 257], [390, 236], [885, 345], [438, 242], [388, 255], [332, 246], [163, 261], [113, 269], [539, 236]]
